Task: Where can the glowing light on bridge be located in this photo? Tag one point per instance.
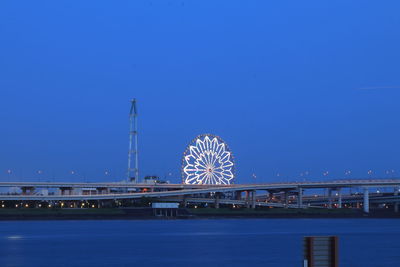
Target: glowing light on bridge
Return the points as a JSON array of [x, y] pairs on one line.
[[208, 160]]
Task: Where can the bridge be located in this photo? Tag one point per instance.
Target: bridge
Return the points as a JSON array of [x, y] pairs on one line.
[[286, 195]]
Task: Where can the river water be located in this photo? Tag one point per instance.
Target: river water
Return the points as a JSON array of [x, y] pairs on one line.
[[204, 242]]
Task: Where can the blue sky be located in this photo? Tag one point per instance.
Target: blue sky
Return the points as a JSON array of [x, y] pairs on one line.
[[291, 86]]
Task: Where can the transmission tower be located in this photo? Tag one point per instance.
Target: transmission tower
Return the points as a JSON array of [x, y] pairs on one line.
[[133, 167]]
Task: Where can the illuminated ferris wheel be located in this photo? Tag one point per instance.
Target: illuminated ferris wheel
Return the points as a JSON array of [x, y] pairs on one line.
[[208, 160]]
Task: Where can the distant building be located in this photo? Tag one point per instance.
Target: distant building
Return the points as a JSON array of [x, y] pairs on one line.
[[153, 179]]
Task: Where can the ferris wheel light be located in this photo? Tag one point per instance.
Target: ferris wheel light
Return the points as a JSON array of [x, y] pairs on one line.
[[208, 160]]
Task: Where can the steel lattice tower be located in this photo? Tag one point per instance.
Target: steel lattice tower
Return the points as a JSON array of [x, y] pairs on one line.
[[133, 145]]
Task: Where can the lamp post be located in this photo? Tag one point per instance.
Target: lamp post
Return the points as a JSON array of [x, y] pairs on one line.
[[107, 173], [9, 172], [72, 172], [39, 172]]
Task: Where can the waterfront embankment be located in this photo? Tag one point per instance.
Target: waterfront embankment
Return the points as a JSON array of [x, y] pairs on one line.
[[190, 213]]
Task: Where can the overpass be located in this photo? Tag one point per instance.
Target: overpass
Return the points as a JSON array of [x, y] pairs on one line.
[[217, 194]]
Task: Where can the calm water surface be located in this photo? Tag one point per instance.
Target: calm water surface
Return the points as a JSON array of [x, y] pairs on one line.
[[222, 242]]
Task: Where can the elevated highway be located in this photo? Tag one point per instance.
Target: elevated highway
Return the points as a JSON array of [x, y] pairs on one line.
[[265, 186], [66, 191]]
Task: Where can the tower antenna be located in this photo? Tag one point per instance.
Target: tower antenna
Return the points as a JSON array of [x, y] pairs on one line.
[[133, 172]]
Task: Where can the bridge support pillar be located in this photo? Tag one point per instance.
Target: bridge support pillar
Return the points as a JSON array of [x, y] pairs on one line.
[[102, 190], [253, 199], [28, 190], [366, 200], [66, 190], [248, 199], [184, 201], [286, 205], [238, 195], [396, 204], [300, 198], [270, 196], [330, 198], [216, 203], [339, 191]]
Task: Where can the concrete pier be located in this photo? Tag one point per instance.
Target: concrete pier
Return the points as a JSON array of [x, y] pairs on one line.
[[366, 200], [28, 190], [330, 200], [339, 191], [247, 199], [217, 196], [286, 199], [184, 202], [238, 195], [300, 198], [253, 199]]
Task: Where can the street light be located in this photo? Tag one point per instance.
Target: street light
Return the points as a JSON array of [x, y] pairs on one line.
[[304, 175], [9, 172], [167, 176], [390, 173], [39, 172], [73, 173]]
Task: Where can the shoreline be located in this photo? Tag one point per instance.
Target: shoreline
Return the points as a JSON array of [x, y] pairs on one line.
[[189, 214]]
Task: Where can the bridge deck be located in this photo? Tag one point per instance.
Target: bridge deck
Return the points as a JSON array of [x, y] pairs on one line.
[[168, 190]]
